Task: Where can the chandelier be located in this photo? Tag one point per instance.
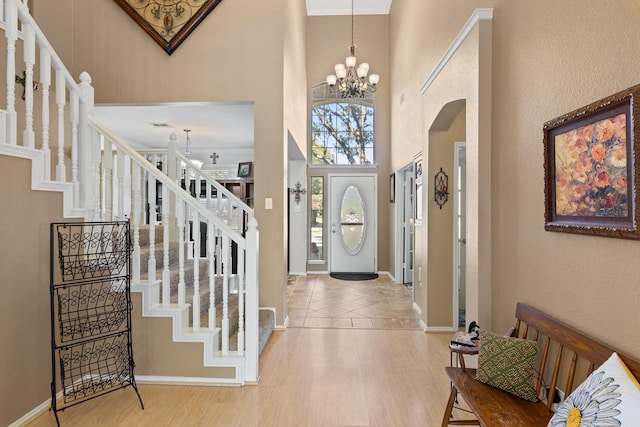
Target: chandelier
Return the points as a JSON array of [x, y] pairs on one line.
[[351, 81]]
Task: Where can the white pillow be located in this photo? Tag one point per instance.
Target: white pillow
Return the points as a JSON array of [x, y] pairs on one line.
[[610, 397]]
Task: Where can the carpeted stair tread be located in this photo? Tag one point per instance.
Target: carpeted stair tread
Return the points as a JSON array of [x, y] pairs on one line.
[[266, 318], [266, 324]]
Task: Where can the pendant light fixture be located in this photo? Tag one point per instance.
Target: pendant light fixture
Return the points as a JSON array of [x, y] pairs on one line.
[[351, 81]]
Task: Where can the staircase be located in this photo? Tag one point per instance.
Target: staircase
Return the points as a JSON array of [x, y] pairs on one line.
[[210, 292], [266, 317]]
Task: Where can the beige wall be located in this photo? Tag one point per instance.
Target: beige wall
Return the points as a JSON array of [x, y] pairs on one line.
[[25, 340], [328, 38], [236, 54], [440, 220], [548, 58]]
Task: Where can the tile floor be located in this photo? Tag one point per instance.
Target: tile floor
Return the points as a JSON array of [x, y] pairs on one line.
[[320, 301]]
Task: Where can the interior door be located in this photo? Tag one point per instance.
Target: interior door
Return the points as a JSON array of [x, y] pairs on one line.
[[352, 219]]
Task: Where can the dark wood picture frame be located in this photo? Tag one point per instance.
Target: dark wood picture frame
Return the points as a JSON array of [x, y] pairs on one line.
[[591, 176], [244, 169], [162, 26]]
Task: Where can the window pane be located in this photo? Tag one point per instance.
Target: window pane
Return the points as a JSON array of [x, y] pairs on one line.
[[316, 229], [342, 134]]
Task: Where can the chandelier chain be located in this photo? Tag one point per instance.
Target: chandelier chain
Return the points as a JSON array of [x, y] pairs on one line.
[[352, 43]]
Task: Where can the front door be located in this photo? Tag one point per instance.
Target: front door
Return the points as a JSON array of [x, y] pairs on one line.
[[353, 229]]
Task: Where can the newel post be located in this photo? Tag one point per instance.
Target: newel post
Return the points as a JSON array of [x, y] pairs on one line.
[[252, 300], [88, 148]]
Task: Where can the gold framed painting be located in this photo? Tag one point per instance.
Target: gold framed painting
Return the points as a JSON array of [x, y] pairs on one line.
[[591, 174], [168, 22]]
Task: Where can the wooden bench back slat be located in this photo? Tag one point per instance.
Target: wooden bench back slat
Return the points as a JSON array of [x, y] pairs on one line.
[[587, 348], [554, 376], [572, 372], [543, 362]]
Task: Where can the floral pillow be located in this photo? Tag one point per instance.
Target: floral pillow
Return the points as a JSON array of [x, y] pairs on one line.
[[610, 397], [507, 363]]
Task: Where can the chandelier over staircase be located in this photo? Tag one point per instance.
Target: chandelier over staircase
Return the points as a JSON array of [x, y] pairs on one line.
[[351, 81]]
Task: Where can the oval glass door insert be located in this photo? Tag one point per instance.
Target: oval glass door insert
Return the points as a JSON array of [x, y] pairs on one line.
[[352, 220]]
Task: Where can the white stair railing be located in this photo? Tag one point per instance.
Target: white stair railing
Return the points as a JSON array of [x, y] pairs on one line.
[[219, 239], [104, 179]]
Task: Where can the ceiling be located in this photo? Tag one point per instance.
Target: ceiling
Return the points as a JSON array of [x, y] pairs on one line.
[[224, 128], [343, 7]]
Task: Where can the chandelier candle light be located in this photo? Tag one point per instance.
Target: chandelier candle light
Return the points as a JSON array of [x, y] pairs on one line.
[[349, 81]]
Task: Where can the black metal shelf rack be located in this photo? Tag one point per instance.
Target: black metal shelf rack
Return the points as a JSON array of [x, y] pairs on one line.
[[91, 351]]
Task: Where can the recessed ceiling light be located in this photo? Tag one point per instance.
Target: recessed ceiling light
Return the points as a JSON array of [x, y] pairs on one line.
[[161, 125]]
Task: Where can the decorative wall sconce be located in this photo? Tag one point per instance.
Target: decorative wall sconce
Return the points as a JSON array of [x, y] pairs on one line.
[[441, 188], [297, 191], [23, 81]]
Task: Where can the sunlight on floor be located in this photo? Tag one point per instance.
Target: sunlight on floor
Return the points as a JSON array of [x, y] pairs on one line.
[[319, 301]]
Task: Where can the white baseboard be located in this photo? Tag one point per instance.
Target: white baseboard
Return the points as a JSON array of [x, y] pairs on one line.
[[32, 414], [439, 329], [160, 380]]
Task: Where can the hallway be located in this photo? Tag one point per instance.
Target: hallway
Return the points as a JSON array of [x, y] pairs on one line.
[[320, 301]]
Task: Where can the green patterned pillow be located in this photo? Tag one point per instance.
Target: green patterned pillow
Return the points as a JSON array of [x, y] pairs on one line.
[[507, 363]]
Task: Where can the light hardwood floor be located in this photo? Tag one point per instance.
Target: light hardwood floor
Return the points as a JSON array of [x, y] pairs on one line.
[[354, 356], [309, 377]]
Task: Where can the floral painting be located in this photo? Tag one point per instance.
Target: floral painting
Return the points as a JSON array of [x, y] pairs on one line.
[[590, 171]]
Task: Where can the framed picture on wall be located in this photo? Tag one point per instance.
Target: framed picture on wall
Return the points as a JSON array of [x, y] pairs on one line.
[[591, 176], [244, 169], [392, 188]]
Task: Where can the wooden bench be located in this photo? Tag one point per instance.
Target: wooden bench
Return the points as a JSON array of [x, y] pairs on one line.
[[493, 407]]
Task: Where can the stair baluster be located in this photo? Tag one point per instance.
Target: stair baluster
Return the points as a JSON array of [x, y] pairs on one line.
[[166, 273], [11, 33], [61, 100], [211, 250], [135, 219], [29, 52], [181, 245], [45, 82], [226, 267], [151, 191], [240, 280], [196, 271], [107, 179]]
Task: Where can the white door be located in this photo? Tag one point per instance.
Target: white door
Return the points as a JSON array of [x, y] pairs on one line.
[[352, 220]]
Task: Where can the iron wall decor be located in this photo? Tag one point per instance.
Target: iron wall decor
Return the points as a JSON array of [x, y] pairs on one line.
[[168, 22], [441, 186], [591, 176]]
